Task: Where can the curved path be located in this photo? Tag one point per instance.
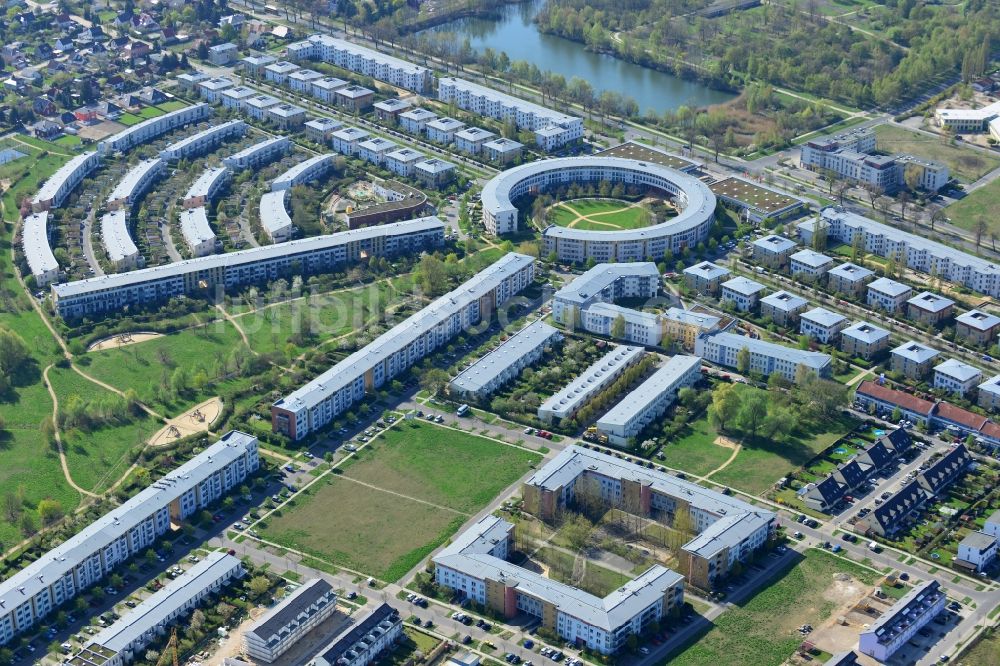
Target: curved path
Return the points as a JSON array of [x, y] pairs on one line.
[[55, 427]]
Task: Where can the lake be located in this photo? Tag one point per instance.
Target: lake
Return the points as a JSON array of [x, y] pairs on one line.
[[516, 34]]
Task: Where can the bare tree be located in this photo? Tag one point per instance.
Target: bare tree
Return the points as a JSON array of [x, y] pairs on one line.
[[842, 188], [982, 226], [904, 201]]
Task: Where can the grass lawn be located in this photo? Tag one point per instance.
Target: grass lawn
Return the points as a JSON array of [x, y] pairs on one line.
[[415, 487], [69, 141], [696, 451], [364, 529], [761, 463], [597, 580], [447, 467], [148, 112], [129, 119], [985, 651], [96, 459], [29, 463], [977, 205], [166, 107], [329, 315], [965, 163], [147, 366], [603, 214], [762, 631]]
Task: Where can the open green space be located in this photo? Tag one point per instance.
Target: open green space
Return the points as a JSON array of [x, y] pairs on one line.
[[69, 141], [198, 356], [763, 630], [402, 496], [695, 451], [148, 112], [978, 206], [362, 528], [173, 105], [761, 462], [595, 579], [966, 164], [303, 323], [129, 119], [600, 214], [31, 466], [447, 467], [985, 651], [97, 457]]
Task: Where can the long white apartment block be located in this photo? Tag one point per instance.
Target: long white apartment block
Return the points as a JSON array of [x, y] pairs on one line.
[[887, 635], [135, 182], [642, 328], [649, 400], [274, 217], [203, 141], [303, 172], [37, 251], [64, 180], [917, 253], [154, 127], [566, 402], [605, 283], [87, 557], [271, 635], [206, 187], [765, 357], [316, 404], [967, 120], [259, 154], [362, 60], [504, 363], [117, 241], [197, 232], [553, 129], [124, 641], [475, 566], [305, 256], [728, 530]]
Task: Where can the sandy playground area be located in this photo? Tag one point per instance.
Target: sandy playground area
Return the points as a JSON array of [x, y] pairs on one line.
[[197, 419]]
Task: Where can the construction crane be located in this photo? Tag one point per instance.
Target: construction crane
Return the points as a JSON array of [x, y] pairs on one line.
[[169, 650]]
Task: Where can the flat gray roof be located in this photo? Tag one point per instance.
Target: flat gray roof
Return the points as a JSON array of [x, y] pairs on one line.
[[35, 240], [302, 168], [134, 178], [241, 257], [810, 359], [522, 105], [154, 611], [250, 151], [707, 270], [583, 288], [195, 227], [217, 130], [110, 527], [736, 519], [591, 380], [85, 163], [978, 540], [698, 207], [493, 364], [114, 233], [206, 181], [774, 243], [404, 333], [663, 380]]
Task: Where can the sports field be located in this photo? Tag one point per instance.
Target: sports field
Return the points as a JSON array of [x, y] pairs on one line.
[[401, 497], [599, 214]]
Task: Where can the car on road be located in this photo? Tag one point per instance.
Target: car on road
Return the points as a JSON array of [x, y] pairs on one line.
[[644, 650]]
